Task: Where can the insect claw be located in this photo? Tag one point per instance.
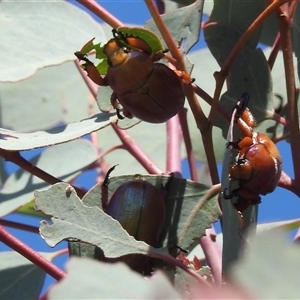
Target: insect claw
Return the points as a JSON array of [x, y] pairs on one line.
[[229, 196]]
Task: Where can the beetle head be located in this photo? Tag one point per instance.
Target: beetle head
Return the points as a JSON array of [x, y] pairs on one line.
[[115, 54]]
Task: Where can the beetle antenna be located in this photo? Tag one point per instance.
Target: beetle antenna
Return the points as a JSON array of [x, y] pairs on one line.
[[106, 179]]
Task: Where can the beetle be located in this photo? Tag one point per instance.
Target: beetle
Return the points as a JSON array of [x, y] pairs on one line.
[[134, 203], [258, 164], [146, 89], [139, 207]]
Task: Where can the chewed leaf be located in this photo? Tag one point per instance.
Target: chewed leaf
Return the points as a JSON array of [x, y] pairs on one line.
[[145, 34], [72, 219], [98, 49]]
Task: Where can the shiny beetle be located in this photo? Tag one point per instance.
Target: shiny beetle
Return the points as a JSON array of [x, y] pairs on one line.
[[147, 90], [258, 164], [139, 207]]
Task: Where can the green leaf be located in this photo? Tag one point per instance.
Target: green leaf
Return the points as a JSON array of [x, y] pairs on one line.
[[27, 50], [99, 282], [184, 25], [150, 37], [19, 277], [65, 161], [72, 219], [16, 141]]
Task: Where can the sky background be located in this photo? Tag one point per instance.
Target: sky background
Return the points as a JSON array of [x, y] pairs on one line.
[[280, 205]]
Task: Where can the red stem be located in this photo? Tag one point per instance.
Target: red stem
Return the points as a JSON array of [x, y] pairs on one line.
[[31, 254], [100, 12], [20, 226], [174, 137], [16, 158], [212, 254], [188, 145]]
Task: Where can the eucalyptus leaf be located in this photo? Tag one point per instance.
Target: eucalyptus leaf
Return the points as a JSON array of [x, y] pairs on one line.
[[277, 262], [144, 34], [184, 25], [249, 71], [19, 276], [107, 281], [296, 36], [72, 219], [16, 141], [52, 96], [58, 161], [239, 14], [25, 23]]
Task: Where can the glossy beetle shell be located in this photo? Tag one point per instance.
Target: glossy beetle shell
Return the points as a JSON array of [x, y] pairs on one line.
[[258, 163], [149, 91], [260, 170], [140, 209]]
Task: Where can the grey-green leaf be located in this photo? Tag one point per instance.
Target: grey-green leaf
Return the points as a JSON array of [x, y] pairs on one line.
[[65, 161], [184, 25], [12, 140], [275, 260], [109, 281], [36, 34], [19, 277], [72, 219]]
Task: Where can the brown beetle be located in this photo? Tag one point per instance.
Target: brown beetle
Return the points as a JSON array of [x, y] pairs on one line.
[[134, 204], [258, 164], [139, 207], [146, 89]]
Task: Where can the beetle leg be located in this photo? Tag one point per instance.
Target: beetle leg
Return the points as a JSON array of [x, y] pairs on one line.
[[232, 145], [230, 195], [116, 105], [185, 77], [162, 54], [246, 123], [91, 70]]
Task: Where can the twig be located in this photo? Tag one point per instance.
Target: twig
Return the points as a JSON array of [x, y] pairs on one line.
[[222, 74], [174, 137], [287, 51], [213, 254], [188, 145], [19, 226], [31, 254], [100, 12], [16, 158]]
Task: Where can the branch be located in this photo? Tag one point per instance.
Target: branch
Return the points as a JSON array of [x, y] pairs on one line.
[[287, 51], [16, 158], [102, 13], [31, 254]]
